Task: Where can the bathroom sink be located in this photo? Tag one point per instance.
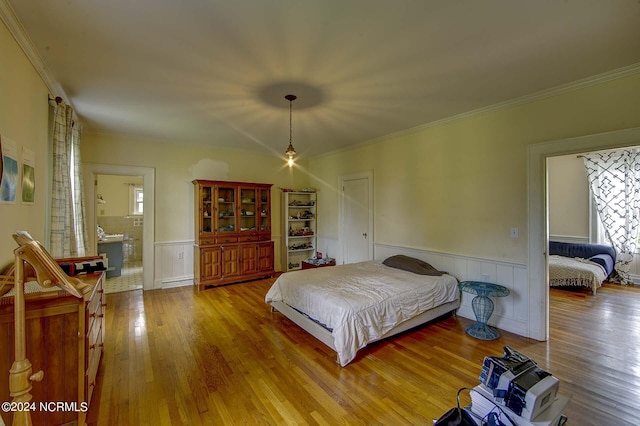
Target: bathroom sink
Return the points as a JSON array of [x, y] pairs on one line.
[[110, 245], [111, 238]]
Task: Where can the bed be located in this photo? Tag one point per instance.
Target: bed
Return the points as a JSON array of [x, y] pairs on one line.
[[583, 265], [349, 306]]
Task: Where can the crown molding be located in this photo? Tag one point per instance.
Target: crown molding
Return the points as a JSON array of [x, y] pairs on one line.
[[13, 24], [554, 91], [547, 93]]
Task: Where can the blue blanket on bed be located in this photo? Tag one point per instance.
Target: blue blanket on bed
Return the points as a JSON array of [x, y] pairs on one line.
[[599, 253]]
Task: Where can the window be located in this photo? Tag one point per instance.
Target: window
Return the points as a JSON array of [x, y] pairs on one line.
[[136, 200]]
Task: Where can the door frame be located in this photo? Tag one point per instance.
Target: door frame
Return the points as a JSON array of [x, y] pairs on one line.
[[368, 175], [90, 171], [538, 214]]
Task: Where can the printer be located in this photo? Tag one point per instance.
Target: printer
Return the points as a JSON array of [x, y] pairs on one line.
[[518, 383]]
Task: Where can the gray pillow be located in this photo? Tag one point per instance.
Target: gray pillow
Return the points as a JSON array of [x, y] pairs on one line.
[[411, 264]]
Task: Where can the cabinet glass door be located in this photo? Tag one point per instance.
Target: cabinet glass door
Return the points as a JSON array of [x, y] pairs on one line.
[[226, 214], [264, 223], [206, 208], [248, 207]]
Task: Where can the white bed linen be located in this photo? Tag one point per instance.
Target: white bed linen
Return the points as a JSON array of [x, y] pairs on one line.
[[362, 301], [568, 271]]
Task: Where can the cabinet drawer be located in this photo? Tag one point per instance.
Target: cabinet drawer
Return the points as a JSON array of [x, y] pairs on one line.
[[223, 240], [93, 336], [95, 304], [207, 241], [247, 238], [93, 362], [95, 313]]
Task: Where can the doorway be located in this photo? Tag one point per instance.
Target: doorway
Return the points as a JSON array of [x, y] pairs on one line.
[[120, 220], [92, 173], [356, 217], [537, 215]]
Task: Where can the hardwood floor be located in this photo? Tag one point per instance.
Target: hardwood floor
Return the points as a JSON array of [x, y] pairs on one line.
[[220, 356]]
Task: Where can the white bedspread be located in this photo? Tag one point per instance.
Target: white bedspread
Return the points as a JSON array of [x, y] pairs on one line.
[[360, 302], [567, 271]]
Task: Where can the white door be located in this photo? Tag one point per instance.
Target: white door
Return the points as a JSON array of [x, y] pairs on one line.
[[357, 231]]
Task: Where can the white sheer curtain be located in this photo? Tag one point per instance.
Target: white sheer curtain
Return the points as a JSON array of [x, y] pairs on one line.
[[69, 237], [614, 177], [80, 235]]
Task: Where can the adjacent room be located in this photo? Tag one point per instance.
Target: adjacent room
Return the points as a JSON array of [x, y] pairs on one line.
[[317, 212], [120, 230], [575, 222]]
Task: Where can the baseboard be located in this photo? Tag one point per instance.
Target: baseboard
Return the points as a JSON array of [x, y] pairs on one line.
[[172, 282]]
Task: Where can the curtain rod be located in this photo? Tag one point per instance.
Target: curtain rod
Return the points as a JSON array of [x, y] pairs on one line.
[[58, 99]]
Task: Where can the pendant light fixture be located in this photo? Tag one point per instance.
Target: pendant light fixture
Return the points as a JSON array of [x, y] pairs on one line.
[[290, 152]]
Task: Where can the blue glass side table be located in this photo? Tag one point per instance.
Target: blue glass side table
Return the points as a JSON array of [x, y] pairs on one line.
[[482, 307]]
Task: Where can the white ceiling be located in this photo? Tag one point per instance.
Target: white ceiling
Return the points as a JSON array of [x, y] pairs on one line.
[[217, 71]]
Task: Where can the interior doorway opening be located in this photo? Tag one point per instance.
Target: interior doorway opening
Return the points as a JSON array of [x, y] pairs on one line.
[[538, 220], [134, 248], [119, 233]]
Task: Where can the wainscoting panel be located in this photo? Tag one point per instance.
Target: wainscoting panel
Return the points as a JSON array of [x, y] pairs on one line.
[[510, 313], [277, 252], [174, 264]]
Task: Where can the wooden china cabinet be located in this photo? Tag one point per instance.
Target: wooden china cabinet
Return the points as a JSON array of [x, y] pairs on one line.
[[232, 232]]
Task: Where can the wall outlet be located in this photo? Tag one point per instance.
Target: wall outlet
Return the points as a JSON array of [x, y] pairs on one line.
[[180, 255], [514, 233]]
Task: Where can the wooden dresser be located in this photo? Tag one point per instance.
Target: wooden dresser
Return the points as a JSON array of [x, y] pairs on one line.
[[65, 337]]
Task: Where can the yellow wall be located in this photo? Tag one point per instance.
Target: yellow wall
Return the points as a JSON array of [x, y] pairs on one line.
[[24, 113], [460, 186], [176, 165], [568, 197], [115, 191]]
